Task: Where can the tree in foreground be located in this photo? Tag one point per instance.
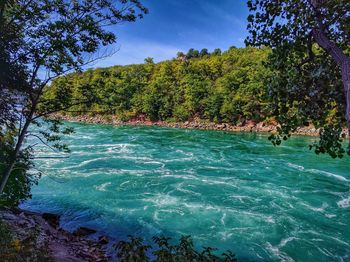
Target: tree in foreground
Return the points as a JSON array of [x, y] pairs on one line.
[[310, 60], [40, 41]]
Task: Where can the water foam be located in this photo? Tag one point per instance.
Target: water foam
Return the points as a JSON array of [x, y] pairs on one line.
[[103, 186], [219, 189], [344, 203]]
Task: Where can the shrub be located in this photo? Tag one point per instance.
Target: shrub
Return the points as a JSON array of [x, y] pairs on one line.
[[135, 250]]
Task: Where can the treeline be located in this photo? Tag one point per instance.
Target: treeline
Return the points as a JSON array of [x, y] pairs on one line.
[[220, 87]]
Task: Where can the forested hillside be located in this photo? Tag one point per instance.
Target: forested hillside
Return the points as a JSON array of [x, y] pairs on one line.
[[220, 87]]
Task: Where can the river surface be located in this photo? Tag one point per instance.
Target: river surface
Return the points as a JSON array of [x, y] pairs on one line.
[[227, 190]]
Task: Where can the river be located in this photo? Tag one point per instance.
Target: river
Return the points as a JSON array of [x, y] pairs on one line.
[[227, 190]]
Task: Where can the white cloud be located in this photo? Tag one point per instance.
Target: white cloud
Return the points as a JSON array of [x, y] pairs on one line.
[[217, 12], [135, 51]]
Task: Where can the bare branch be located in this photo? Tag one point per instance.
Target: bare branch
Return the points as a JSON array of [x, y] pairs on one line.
[[42, 141]]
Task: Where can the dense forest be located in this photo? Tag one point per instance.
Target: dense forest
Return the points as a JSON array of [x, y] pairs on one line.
[[219, 86]]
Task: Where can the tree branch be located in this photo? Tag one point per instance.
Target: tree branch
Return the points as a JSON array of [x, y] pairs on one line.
[[60, 109], [310, 53], [42, 141]]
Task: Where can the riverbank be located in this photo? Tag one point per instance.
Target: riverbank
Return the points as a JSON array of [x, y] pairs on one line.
[[248, 126], [38, 237]]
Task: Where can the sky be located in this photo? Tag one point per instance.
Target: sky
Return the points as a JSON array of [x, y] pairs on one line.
[[178, 25]]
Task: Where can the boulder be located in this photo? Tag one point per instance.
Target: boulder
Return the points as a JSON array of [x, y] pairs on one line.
[[221, 126], [103, 240], [52, 219], [250, 123]]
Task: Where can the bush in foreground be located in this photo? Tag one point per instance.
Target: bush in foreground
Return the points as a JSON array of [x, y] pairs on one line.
[[135, 250]]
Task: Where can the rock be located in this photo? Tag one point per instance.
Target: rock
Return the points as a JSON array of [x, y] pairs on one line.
[[9, 216], [251, 123], [221, 126], [241, 123], [103, 240], [52, 219], [84, 231], [260, 126]]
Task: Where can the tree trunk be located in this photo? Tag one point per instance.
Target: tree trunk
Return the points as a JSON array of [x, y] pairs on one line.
[[343, 62], [19, 144], [2, 9], [346, 81]]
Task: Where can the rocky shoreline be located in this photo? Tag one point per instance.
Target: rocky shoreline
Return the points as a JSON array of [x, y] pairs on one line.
[[248, 126], [42, 233]]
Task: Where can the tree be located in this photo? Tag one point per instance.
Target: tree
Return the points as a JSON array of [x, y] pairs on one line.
[[311, 64], [149, 60], [180, 55], [52, 38], [217, 51], [192, 53], [12, 73], [203, 52]]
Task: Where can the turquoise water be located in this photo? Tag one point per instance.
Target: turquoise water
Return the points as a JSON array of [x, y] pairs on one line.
[[227, 190]]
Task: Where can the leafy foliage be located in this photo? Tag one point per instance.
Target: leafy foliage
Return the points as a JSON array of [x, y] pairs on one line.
[[331, 138], [21, 180], [136, 250], [307, 81], [133, 250]]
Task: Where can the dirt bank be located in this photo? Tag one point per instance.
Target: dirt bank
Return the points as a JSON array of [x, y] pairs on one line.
[[40, 235], [248, 126]]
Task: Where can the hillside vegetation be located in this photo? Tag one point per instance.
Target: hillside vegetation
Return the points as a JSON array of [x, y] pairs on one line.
[[219, 87]]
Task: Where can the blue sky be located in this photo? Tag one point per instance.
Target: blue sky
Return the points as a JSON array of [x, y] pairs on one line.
[[178, 25]]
